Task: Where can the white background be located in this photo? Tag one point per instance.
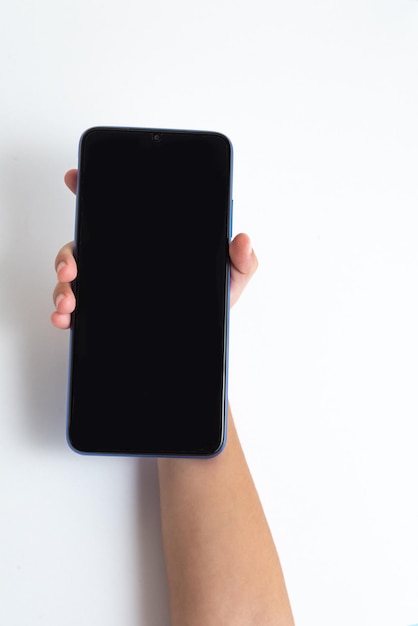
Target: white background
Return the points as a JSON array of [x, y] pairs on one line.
[[320, 101]]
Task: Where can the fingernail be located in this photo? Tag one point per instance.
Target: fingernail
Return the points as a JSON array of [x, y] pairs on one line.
[[60, 266], [58, 299]]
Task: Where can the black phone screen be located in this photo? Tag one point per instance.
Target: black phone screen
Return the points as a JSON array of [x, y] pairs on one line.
[[148, 346]]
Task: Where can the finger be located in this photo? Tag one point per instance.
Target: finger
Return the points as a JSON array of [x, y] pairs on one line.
[[65, 265], [70, 180], [241, 254], [66, 269], [61, 320], [244, 264], [64, 298]]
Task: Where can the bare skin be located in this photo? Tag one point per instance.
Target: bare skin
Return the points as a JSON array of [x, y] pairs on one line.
[[222, 565]]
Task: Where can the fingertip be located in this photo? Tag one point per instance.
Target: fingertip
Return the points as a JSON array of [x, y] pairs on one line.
[[242, 254], [66, 267], [60, 320], [241, 246], [64, 299], [61, 265], [70, 179], [246, 240], [60, 297], [65, 273], [242, 240]]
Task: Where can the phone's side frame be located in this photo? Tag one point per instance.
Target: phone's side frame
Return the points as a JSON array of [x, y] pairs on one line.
[[225, 403]]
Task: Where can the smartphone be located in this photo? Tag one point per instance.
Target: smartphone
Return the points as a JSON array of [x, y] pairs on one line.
[[149, 335]]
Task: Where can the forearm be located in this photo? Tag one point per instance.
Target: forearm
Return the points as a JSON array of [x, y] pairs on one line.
[[222, 565]]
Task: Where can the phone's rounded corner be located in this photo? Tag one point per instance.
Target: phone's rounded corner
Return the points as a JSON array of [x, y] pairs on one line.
[[218, 450], [85, 134], [73, 446], [91, 130], [222, 442], [222, 137], [228, 142]]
